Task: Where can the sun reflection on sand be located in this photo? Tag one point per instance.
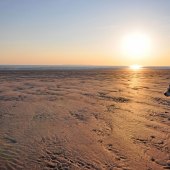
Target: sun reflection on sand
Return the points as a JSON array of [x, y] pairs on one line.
[[134, 83], [135, 79]]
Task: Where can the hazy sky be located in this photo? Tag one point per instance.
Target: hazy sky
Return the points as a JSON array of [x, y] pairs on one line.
[[83, 32]]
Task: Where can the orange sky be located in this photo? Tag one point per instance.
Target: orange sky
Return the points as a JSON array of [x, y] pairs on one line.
[[82, 33]]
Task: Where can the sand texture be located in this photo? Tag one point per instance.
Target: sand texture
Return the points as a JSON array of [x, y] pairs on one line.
[[84, 119]]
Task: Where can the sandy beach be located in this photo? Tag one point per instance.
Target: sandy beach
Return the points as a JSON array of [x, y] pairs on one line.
[[99, 119]]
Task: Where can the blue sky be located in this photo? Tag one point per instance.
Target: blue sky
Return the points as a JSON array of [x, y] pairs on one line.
[[63, 29]]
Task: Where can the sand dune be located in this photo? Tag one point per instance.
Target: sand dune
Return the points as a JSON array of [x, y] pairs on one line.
[[91, 119]]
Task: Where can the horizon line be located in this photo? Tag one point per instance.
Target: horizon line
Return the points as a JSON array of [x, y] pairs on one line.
[[81, 65]]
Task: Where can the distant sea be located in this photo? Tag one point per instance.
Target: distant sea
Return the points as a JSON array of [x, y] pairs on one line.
[[71, 67]]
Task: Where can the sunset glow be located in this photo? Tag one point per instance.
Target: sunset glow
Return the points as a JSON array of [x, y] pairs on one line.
[[136, 45], [135, 67]]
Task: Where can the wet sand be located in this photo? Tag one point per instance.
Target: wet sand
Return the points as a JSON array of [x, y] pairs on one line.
[[84, 119]]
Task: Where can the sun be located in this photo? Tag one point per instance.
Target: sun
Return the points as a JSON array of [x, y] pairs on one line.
[[136, 45], [135, 67]]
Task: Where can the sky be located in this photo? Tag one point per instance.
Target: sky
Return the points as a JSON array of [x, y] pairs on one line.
[[82, 32]]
